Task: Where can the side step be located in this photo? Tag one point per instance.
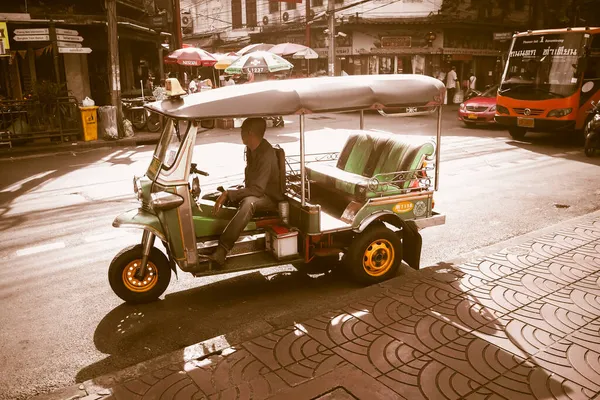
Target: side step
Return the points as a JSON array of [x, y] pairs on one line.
[[261, 259], [248, 244]]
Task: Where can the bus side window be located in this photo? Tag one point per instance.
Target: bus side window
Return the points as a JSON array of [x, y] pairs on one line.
[[592, 70]]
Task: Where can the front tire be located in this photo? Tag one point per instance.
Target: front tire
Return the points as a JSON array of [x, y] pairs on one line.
[[374, 255], [517, 133], [121, 275]]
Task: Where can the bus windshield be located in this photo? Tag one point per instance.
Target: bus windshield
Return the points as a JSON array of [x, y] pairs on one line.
[[543, 66]]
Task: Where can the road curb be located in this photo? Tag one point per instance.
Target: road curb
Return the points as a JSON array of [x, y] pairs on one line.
[[100, 386]]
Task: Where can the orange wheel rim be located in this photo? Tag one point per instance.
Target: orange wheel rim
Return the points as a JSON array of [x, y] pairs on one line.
[[378, 257], [136, 285]]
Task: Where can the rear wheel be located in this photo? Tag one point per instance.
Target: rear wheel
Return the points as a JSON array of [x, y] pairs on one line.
[[517, 133], [374, 255], [153, 122], [125, 284]]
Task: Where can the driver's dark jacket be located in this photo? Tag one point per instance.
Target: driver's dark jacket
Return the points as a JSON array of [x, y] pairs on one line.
[[261, 175]]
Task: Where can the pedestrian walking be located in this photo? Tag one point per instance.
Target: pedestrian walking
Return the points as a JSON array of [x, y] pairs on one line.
[[451, 80]]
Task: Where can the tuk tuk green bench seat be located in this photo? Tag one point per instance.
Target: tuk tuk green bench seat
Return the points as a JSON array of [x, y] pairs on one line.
[[366, 165]]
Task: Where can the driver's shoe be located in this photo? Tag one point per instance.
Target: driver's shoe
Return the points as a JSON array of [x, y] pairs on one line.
[[218, 257]]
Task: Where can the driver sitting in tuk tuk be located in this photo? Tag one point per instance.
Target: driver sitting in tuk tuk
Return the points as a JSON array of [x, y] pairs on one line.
[[262, 189]]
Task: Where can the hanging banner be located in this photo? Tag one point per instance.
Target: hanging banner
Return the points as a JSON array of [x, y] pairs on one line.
[[4, 46]]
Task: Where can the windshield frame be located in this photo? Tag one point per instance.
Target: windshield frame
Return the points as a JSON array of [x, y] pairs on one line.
[[533, 64], [172, 128]]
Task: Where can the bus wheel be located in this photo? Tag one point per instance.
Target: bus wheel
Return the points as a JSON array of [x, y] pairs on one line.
[[125, 284], [374, 255], [517, 133]]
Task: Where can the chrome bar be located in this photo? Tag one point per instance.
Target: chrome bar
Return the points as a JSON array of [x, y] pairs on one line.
[[147, 244], [438, 146], [362, 119], [302, 166]]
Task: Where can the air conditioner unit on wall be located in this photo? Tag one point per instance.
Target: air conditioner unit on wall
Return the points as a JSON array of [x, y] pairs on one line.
[[187, 24]]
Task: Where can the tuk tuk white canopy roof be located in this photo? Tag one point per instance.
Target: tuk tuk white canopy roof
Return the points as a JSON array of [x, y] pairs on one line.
[[305, 96]]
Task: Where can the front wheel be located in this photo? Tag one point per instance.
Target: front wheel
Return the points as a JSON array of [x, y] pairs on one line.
[[374, 255], [122, 271], [517, 133]]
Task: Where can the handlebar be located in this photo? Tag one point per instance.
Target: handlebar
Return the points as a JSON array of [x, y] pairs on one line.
[[195, 170]]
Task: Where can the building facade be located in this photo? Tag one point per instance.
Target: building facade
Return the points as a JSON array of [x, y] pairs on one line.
[[377, 37]]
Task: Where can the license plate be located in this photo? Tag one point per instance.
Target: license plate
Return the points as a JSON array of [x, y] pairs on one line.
[[472, 116], [525, 122]]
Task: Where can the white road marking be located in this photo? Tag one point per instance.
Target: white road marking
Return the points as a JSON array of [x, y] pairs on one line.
[[107, 236], [39, 249], [18, 185]]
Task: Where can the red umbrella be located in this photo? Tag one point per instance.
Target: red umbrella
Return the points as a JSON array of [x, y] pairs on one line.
[[191, 56]]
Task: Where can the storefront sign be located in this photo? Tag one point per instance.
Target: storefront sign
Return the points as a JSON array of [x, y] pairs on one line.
[[396, 41], [474, 52], [392, 51], [503, 35], [68, 38], [69, 32], [81, 50], [37, 31], [32, 38], [4, 45], [323, 52]]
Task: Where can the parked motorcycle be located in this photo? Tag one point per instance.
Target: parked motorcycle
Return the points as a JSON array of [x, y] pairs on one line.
[[592, 131]]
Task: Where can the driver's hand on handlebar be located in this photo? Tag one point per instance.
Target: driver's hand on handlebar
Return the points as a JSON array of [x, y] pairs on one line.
[[219, 203]]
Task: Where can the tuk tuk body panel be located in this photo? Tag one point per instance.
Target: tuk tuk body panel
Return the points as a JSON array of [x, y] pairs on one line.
[[405, 208], [307, 219], [142, 219], [206, 224]]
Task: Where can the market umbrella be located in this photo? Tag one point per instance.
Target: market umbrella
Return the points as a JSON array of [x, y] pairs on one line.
[[224, 60], [254, 47], [191, 56], [259, 62], [287, 49], [306, 54]]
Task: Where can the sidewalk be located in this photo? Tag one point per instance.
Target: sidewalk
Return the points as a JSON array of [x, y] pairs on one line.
[[521, 322], [139, 138]]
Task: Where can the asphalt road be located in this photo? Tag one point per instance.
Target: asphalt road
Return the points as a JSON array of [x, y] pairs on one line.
[[60, 323]]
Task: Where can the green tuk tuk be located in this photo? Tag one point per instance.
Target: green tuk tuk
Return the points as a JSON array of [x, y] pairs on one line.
[[360, 210]]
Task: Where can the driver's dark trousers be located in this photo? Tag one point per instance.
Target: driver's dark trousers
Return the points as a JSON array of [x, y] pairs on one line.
[[247, 207]]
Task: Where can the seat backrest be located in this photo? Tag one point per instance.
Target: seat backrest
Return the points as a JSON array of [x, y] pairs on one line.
[[355, 153], [372, 153], [280, 153]]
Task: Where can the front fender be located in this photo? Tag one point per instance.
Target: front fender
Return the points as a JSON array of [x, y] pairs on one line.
[[141, 219]]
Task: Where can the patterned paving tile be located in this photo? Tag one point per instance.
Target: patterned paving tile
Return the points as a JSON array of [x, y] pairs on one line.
[[310, 368], [531, 285], [418, 294], [475, 358], [379, 311], [464, 313], [582, 258], [335, 328], [283, 347], [575, 300], [546, 248], [528, 381], [498, 297], [550, 318], [591, 250], [559, 271], [377, 353], [492, 268], [589, 284], [516, 336], [234, 368], [573, 362], [587, 336], [423, 332], [425, 378], [452, 280]]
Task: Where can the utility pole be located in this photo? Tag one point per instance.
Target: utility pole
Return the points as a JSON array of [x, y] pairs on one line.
[[178, 34], [113, 55], [307, 40], [331, 53]]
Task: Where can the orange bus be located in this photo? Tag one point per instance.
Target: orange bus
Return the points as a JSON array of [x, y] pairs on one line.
[[550, 78]]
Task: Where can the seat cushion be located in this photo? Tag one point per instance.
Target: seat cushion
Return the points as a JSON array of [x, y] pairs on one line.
[[369, 155]]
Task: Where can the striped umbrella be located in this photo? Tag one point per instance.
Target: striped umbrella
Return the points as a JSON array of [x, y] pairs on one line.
[[191, 56], [259, 62]]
